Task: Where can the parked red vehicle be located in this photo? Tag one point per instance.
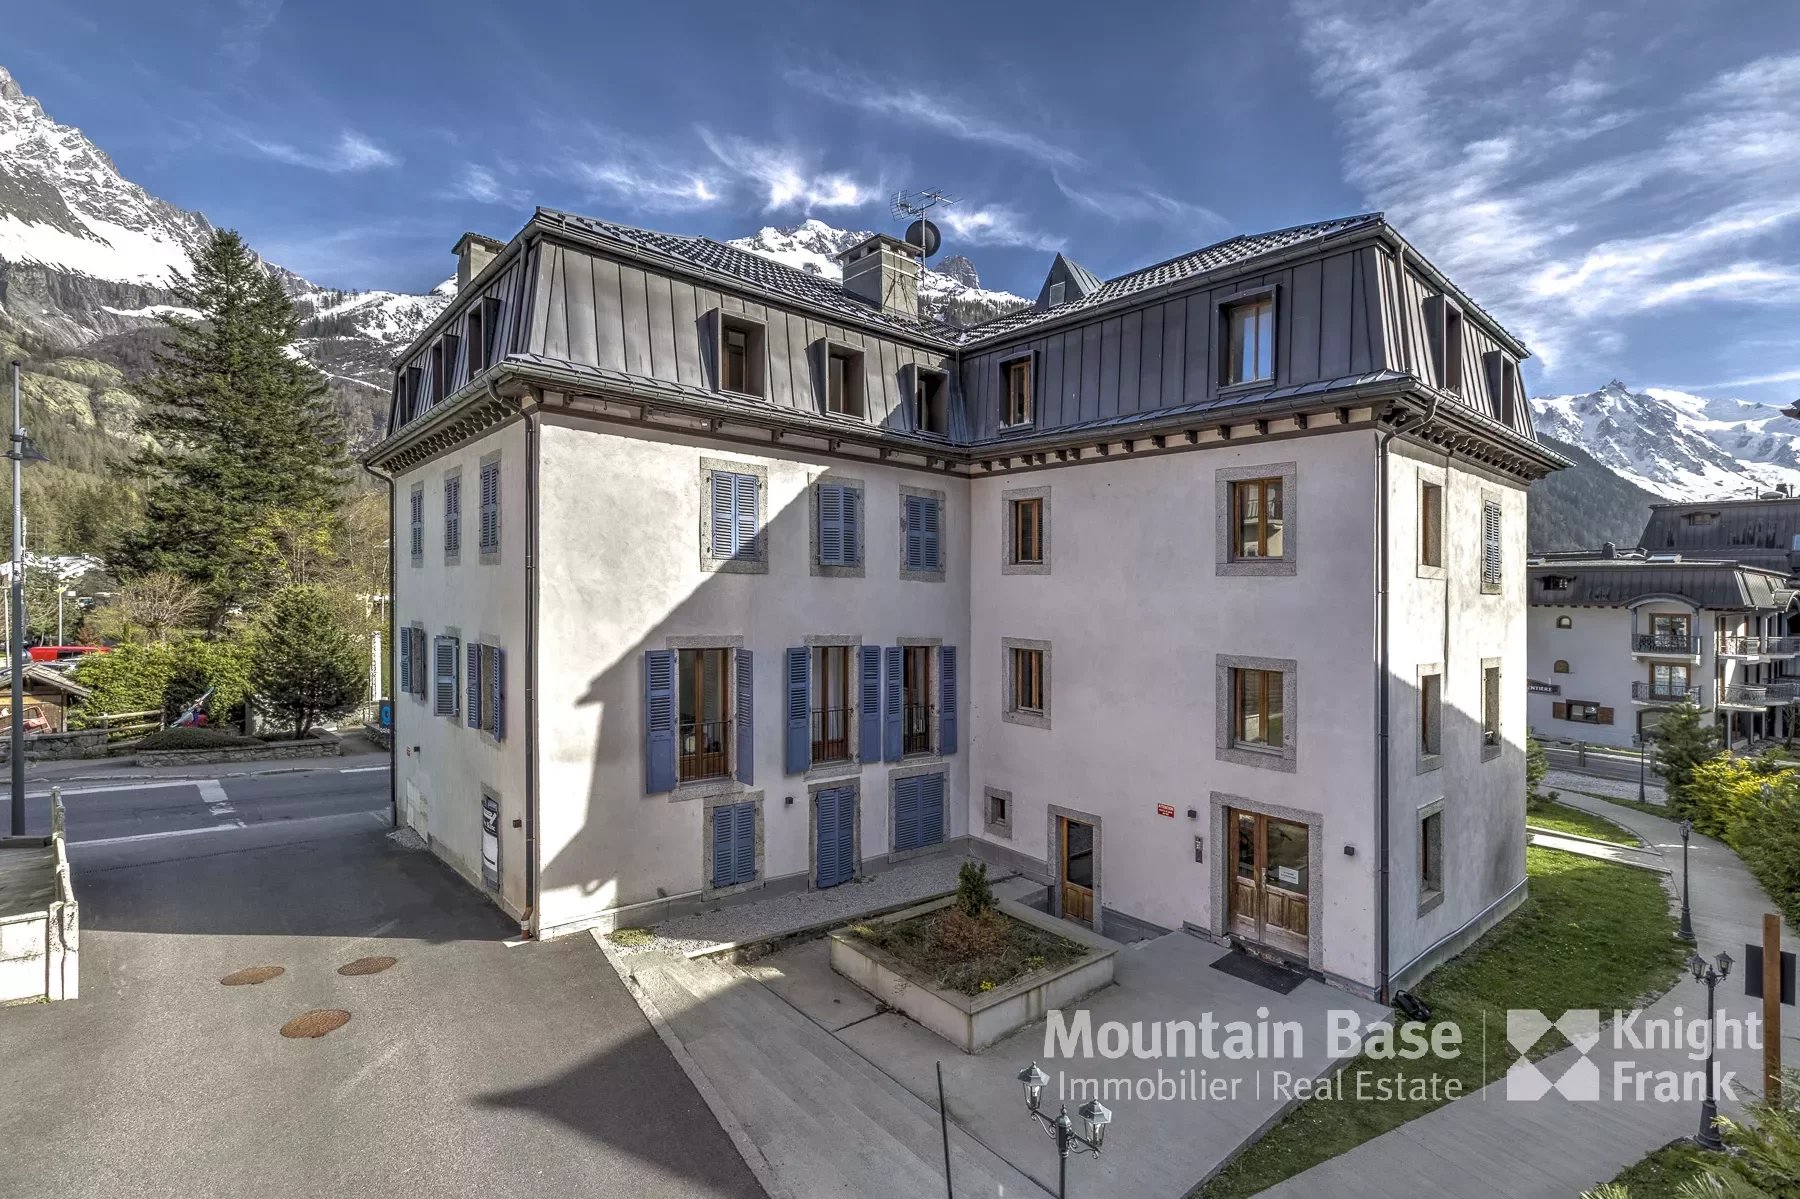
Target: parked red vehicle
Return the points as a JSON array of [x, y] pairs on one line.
[[62, 653]]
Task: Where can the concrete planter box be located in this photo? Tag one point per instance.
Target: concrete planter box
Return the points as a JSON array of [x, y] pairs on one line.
[[317, 744], [973, 1022]]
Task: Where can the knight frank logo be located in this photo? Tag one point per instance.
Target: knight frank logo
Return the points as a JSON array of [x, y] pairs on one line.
[[1580, 1082]]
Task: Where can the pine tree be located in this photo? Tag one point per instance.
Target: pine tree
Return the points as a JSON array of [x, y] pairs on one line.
[[1684, 739], [304, 662], [240, 431]]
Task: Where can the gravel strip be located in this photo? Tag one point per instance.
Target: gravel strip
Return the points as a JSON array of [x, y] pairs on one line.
[[1563, 780], [704, 931]]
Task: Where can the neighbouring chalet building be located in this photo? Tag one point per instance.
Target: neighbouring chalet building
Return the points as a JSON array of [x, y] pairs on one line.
[[1618, 637], [1197, 594]]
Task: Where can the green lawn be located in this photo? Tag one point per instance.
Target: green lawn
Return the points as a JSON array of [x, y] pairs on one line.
[[1561, 818], [1591, 935], [1661, 1174]]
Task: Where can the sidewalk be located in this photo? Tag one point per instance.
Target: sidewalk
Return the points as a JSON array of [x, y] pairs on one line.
[[1551, 1148]]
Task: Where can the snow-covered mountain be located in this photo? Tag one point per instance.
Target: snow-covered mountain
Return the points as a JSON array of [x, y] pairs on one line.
[[950, 291], [1677, 445]]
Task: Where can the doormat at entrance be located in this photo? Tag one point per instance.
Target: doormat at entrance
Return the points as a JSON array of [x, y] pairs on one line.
[[1254, 970]]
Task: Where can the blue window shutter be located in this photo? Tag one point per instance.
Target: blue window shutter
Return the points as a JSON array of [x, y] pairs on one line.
[[799, 691], [749, 544], [724, 840], [659, 720], [420, 666], [947, 701], [497, 700], [906, 814], [826, 838], [744, 842], [892, 704], [831, 525], [931, 809], [846, 838], [406, 662], [472, 700], [745, 722], [928, 536], [490, 507], [915, 533], [724, 525], [869, 704], [852, 526]]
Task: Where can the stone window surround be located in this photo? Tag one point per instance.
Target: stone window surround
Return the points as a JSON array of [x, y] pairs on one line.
[[453, 553], [912, 768], [489, 557], [714, 789], [416, 494], [1286, 759], [1490, 752], [851, 767], [1224, 859], [924, 576], [725, 800], [1430, 899], [1489, 496], [1223, 478], [1010, 712], [933, 700], [1437, 477], [1051, 814], [997, 828], [1009, 551], [733, 566], [813, 479], [812, 826], [1428, 762]]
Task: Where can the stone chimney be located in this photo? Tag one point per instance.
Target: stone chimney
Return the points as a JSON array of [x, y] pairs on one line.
[[473, 253], [884, 271], [1609, 550]]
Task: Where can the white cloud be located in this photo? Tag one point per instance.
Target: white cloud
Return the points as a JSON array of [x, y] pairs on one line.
[[995, 226], [1535, 183], [1143, 204], [787, 177], [352, 152], [646, 187], [480, 184], [934, 111]]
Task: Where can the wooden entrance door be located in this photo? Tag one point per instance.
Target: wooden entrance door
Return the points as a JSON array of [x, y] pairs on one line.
[[1075, 849], [1271, 889]]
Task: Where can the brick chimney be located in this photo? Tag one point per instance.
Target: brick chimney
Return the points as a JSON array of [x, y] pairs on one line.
[[884, 271], [473, 252]]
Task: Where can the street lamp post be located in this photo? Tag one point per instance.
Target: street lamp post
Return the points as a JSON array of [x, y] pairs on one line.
[[62, 593], [1703, 971], [20, 451], [1059, 1128], [1643, 746], [1687, 917]]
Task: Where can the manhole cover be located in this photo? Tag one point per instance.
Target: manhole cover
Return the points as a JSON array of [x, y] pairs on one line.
[[316, 1023], [252, 975], [366, 966]]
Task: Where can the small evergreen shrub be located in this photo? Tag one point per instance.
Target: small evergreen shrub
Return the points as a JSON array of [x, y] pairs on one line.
[[974, 895]]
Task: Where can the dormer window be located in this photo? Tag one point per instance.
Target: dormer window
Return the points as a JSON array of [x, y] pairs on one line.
[[1702, 518], [741, 355], [1557, 582], [437, 371], [1249, 340], [844, 382], [1017, 377], [1444, 326], [932, 389], [1056, 294], [1503, 383]]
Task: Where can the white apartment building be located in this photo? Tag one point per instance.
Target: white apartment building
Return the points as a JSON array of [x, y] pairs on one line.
[[1197, 594], [1618, 637]]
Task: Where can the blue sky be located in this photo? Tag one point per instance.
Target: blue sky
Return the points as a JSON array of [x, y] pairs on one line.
[[1618, 182]]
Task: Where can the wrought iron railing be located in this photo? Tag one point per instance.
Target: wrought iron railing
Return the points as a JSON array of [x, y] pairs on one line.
[[915, 729], [1667, 643], [1748, 647], [831, 734], [1665, 693], [705, 749]]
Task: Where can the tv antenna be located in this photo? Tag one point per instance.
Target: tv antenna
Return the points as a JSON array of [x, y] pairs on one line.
[[921, 233]]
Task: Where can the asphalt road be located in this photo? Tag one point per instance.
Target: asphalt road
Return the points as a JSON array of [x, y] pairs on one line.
[[109, 813], [472, 1066]]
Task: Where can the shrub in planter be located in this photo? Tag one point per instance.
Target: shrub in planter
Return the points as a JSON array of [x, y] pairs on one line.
[[222, 665], [974, 895]]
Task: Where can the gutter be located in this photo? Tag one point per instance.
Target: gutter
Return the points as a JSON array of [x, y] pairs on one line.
[[529, 922]]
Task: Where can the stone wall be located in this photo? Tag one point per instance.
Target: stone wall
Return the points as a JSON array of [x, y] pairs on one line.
[[240, 753], [56, 747]]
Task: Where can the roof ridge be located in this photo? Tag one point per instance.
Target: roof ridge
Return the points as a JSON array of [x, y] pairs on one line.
[[1339, 220]]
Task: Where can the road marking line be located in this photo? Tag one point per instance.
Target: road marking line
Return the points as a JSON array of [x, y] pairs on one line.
[[147, 785], [359, 769], [221, 828], [213, 791]]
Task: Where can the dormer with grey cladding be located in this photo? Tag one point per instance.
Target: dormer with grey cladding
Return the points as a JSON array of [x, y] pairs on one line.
[[884, 271]]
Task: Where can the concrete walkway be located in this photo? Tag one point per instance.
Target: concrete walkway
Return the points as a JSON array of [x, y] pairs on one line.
[[1567, 781], [1606, 851], [1485, 1145], [810, 1117]]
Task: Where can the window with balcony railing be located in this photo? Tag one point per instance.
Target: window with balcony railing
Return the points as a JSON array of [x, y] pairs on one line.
[[832, 712], [703, 747], [915, 701]]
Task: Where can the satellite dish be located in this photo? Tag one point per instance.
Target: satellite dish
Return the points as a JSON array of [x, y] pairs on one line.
[[923, 234]]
